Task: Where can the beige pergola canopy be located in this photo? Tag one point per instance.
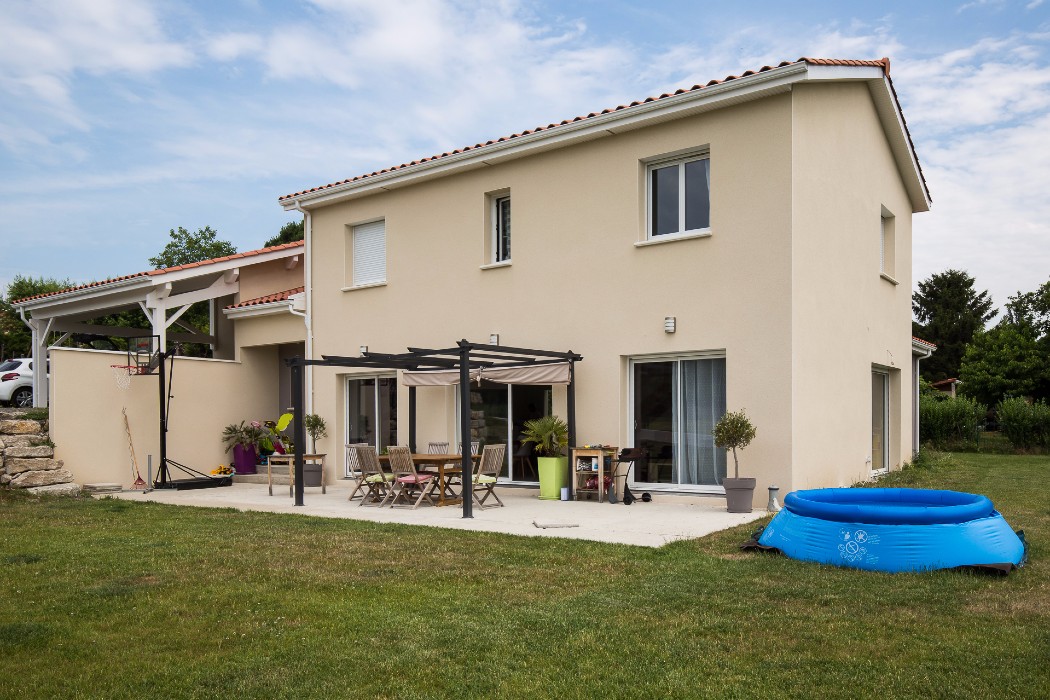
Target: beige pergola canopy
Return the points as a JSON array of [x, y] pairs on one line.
[[552, 373]]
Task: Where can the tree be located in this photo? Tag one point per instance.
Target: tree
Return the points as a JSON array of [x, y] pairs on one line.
[[16, 340], [290, 232], [190, 247], [949, 312], [1031, 309], [1003, 362]]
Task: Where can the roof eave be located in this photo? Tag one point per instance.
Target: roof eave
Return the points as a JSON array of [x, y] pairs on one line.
[[268, 309], [598, 126]]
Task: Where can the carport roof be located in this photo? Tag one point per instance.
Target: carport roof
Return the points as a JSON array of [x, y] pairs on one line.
[[212, 265]]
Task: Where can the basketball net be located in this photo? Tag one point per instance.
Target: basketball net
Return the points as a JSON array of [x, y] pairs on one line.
[[122, 375]]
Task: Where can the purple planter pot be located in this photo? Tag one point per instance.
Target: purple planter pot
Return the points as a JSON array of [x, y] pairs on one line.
[[243, 459]]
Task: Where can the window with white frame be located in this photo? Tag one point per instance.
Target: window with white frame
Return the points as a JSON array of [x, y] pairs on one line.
[[679, 196], [501, 229], [369, 253]]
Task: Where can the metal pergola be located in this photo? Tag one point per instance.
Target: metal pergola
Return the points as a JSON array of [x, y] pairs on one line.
[[465, 357]]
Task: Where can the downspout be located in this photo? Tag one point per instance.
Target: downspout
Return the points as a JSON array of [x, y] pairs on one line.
[[915, 399], [308, 316]]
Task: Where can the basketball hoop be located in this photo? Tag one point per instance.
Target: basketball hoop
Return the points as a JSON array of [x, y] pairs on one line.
[[122, 375]]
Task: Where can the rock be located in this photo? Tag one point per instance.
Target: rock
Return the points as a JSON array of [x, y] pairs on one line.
[[15, 465], [19, 427], [30, 451], [27, 480], [57, 490], [23, 440], [4, 479]]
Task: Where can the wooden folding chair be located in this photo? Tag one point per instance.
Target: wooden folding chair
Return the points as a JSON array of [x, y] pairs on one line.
[[353, 468], [488, 471], [407, 481]]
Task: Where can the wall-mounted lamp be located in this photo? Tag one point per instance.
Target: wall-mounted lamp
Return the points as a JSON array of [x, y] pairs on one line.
[[669, 324], [363, 349], [493, 338]]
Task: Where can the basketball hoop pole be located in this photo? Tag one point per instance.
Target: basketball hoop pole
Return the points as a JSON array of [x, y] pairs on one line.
[[162, 474]]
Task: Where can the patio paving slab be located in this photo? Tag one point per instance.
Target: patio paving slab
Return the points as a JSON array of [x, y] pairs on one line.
[[666, 519]]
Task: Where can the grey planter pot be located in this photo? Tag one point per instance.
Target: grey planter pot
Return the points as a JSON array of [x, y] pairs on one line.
[[740, 494], [311, 475]]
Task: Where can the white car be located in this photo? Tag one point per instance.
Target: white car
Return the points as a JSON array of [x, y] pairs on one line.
[[16, 382]]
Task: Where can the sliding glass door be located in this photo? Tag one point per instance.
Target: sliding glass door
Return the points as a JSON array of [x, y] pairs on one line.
[[675, 404], [880, 409], [497, 416], [371, 411]]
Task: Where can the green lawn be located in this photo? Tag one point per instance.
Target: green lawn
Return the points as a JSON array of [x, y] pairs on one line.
[[112, 599]]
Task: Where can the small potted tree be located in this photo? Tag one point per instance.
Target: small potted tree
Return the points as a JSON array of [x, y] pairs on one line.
[[550, 434], [244, 440], [317, 429], [734, 431]]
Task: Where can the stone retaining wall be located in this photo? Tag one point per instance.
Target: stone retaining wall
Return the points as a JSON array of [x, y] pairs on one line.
[[28, 457]]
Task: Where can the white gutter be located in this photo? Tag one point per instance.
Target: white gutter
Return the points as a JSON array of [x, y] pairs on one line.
[[268, 309], [775, 80], [309, 290]]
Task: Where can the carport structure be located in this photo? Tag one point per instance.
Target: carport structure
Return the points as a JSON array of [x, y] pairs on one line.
[[163, 296], [470, 361]]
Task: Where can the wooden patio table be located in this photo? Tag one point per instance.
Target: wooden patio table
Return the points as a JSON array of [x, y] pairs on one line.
[[447, 465], [289, 459]]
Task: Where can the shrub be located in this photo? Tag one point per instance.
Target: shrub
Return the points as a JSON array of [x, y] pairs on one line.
[[949, 423], [1025, 425]]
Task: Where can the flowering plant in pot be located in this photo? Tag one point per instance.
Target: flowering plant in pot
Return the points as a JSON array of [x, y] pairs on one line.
[[550, 435], [734, 431], [245, 440]]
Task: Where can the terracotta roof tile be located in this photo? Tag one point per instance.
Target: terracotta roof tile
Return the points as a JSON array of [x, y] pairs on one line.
[[165, 270], [924, 342], [268, 299], [883, 63]]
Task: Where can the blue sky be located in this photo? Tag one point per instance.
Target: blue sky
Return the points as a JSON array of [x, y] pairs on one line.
[[122, 119]]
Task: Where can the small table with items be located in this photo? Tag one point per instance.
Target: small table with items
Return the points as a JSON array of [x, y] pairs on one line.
[[589, 463], [276, 459]]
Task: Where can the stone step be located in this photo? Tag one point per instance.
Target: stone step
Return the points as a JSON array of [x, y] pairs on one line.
[[260, 478]]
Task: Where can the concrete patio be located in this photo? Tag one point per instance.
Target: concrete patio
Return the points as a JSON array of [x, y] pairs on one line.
[[666, 519]]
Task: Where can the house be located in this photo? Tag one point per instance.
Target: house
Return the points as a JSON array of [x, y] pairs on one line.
[[743, 244], [948, 386], [256, 307], [740, 244]]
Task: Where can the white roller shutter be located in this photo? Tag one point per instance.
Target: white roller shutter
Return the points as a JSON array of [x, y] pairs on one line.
[[370, 253]]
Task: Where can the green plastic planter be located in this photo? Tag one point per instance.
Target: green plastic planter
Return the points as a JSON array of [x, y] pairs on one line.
[[553, 472]]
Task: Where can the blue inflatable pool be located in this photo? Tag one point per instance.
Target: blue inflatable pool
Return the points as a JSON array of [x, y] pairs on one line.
[[894, 530]]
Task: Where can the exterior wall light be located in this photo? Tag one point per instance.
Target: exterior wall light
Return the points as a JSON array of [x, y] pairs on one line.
[[669, 324], [493, 338], [363, 349]]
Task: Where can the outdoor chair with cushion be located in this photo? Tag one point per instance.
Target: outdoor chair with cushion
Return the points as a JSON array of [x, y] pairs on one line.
[[378, 484], [407, 481], [488, 471], [433, 448]]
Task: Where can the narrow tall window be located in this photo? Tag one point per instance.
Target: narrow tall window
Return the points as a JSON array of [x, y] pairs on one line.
[[887, 243], [369, 252], [501, 229], [679, 196]]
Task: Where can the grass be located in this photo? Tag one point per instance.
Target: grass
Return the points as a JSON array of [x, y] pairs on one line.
[[128, 600]]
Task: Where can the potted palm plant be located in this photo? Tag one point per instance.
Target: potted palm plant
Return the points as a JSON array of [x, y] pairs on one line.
[[734, 431], [550, 434], [317, 429], [244, 440]]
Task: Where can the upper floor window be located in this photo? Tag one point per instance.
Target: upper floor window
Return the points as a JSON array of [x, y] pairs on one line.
[[369, 253], [501, 229], [679, 196]]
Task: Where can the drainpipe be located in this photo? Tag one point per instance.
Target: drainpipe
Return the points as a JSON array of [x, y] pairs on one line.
[[308, 316]]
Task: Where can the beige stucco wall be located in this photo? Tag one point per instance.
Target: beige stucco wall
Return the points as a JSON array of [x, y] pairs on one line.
[[847, 318], [577, 280], [87, 425], [267, 278], [271, 329]]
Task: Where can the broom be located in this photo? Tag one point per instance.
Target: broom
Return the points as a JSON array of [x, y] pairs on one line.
[[139, 483]]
